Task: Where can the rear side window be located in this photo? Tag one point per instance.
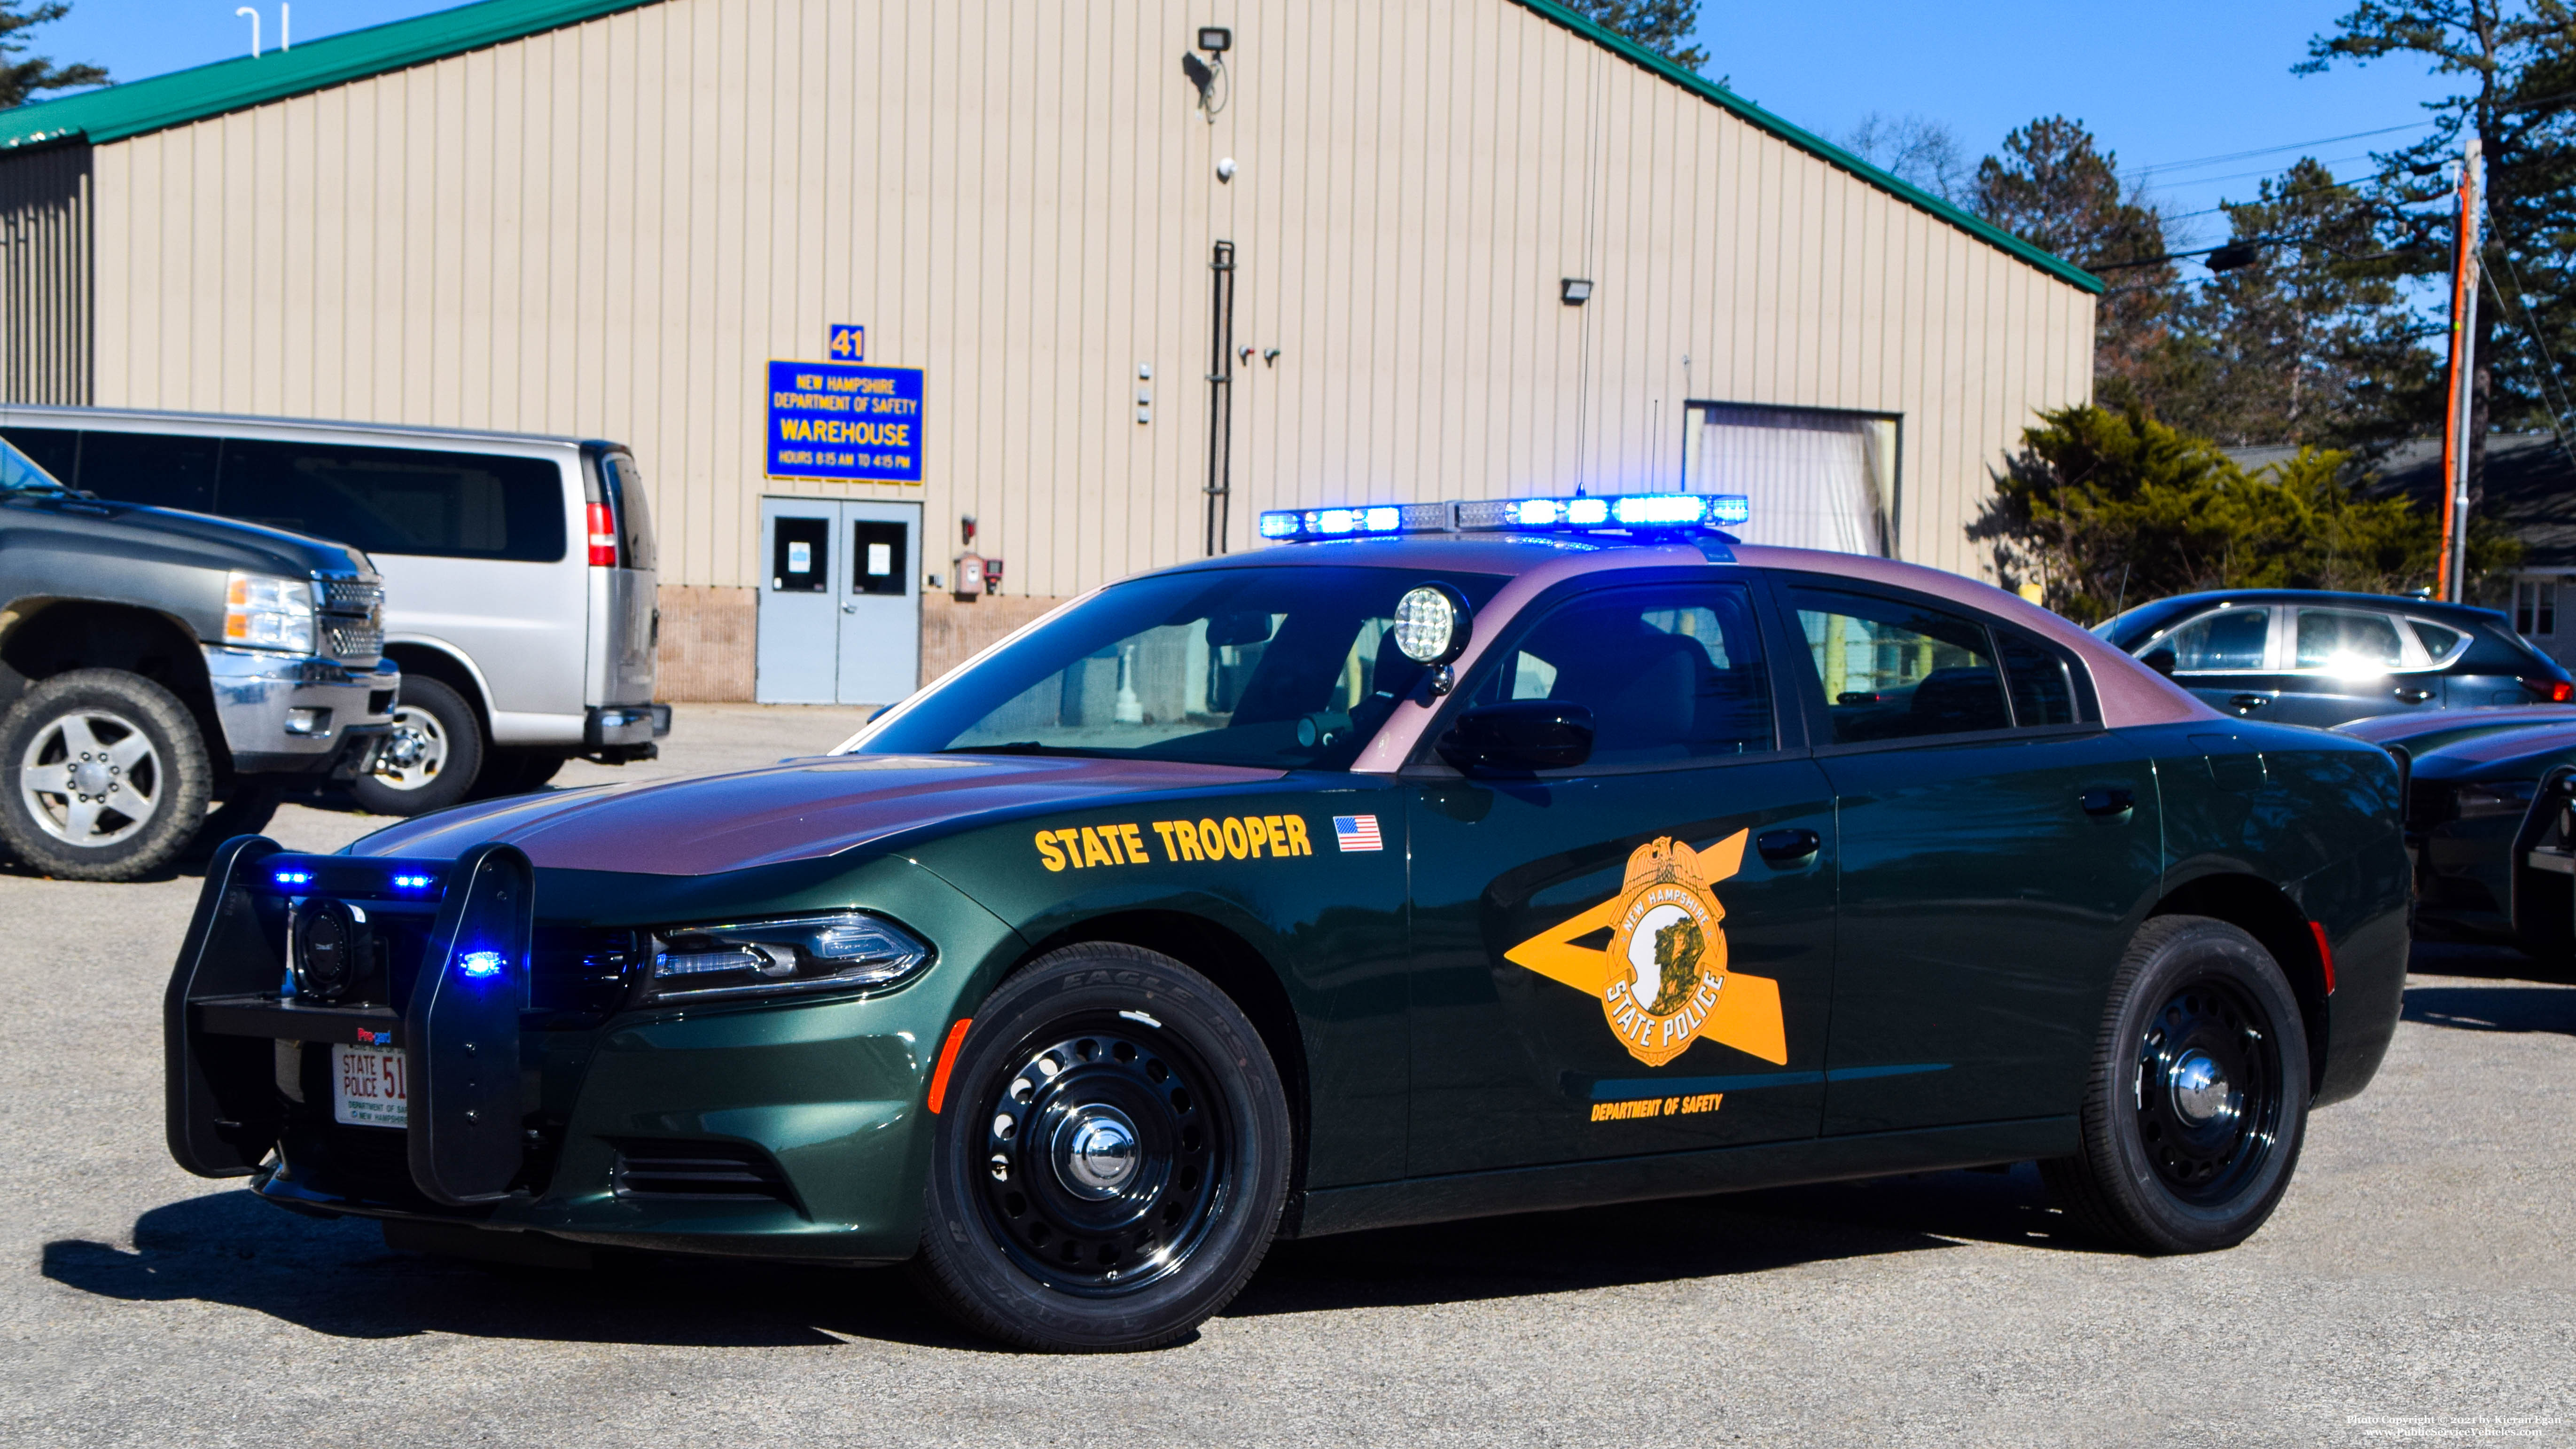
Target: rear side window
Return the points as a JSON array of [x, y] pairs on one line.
[[1895, 670], [2347, 639], [2439, 640], [399, 500], [2043, 693], [2230, 640]]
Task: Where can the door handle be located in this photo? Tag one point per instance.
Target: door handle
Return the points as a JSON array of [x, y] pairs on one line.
[[2109, 801], [2248, 703], [2412, 696], [1784, 849], [849, 608]]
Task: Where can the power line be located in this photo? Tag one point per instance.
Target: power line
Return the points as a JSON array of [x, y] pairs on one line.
[[2269, 150]]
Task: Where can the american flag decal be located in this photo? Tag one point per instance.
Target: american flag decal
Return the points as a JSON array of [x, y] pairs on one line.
[[1357, 832]]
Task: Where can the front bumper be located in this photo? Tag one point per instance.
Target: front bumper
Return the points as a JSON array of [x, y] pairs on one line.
[[295, 714], [787, 1128]]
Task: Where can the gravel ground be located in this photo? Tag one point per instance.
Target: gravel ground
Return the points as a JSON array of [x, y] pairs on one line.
[[2415, 1285]]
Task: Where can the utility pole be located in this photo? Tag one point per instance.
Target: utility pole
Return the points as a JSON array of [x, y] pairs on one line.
[[2454, 566]]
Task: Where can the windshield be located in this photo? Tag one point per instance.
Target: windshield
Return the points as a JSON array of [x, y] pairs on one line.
[[1270, 667], [20, 474]]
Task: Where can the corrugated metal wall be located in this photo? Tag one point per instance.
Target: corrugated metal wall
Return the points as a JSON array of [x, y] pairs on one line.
[[606, 230], [45, 279]]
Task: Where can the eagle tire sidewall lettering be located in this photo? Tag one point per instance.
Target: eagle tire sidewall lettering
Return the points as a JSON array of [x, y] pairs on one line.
[[2111, 1190], [962, 1267]]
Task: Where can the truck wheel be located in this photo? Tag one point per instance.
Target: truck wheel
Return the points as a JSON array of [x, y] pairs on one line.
[[429, 759], [110, 777], [2197, 1103], [515, 772], [1111, 1156]]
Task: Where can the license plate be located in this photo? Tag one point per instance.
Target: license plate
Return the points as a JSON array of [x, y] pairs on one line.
[[367, 1086]]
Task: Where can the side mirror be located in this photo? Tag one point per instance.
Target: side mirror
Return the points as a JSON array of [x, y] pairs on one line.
[[2160, 659], [1519, 737]]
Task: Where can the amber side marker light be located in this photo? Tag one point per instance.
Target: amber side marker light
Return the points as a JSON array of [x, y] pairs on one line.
[[957, 1038]]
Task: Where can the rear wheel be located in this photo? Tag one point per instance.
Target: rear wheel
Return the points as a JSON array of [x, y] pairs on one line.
[[108, 779], [1111, 1159], [429, 758], [2197, 1103], [515, 772]]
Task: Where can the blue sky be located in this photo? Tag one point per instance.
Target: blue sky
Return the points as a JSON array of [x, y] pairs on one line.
[[2179, 82]]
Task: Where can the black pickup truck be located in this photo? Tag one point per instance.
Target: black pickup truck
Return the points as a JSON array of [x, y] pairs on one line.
[[155, 664]]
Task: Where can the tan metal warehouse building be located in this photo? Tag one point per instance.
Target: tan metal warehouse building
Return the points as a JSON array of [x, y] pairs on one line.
[[605, 217]]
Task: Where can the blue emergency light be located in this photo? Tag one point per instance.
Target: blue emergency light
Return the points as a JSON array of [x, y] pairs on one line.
[[1631, 513]]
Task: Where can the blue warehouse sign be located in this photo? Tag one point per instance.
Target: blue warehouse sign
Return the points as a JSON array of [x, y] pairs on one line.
[[850, 424]]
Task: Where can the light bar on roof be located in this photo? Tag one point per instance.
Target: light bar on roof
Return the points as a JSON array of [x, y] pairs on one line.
[[1629, 513]]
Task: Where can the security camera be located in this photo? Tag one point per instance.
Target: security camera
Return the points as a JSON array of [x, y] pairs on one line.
[[1225, 169]]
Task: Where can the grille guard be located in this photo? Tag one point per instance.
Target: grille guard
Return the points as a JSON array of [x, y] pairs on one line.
[[459, 1027]]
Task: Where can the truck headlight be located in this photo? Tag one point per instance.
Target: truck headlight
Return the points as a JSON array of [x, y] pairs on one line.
[[263, 611], [802, 953]]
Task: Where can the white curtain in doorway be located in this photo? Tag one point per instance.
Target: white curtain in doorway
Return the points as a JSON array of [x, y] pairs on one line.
[[1816, 479]]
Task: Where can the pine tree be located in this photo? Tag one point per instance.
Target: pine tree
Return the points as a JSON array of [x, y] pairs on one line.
[[2516, 90], [2054, 188], [21, 79], [1662, 26]]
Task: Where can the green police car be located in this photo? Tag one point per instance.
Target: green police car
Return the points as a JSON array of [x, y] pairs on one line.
[[1440, 860]]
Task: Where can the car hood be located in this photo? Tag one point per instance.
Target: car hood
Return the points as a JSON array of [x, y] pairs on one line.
[[793, 810], [2457, 724], [2507, 754]]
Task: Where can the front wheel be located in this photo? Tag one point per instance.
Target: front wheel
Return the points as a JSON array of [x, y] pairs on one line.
[[2197, 1103], [1111, 1158], [108, 779]]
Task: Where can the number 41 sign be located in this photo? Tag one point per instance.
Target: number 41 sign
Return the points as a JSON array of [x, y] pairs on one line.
[[847, 343]]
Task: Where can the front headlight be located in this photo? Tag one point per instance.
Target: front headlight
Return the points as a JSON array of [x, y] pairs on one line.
[[803, 953], [263, 611], [2494, 797]]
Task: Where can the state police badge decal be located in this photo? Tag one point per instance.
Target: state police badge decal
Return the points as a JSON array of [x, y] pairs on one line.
[[1663, 982]]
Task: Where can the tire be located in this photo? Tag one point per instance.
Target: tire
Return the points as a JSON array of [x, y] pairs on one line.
[[430, 760], [246, 811], [2197, 1102], [1039, 1231], [113, 739]]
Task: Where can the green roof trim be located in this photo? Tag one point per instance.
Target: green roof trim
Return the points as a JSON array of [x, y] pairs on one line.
[[1815, 145], [112, 113]]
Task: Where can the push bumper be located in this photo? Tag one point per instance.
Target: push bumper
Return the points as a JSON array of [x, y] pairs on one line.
[[296, 714]]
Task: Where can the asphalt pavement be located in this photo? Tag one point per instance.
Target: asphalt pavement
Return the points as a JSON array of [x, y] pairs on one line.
[[2414, 1287]]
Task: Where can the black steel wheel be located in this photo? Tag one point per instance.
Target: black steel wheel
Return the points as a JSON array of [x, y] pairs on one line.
[[2197, 1103], [1110, 1159]]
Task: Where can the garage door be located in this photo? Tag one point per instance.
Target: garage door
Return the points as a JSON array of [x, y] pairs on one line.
[[1817, 479]]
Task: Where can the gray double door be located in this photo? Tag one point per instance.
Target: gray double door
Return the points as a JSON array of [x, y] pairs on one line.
[[840, 601]]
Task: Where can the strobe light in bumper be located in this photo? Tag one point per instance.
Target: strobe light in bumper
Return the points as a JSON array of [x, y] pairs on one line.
[[838, 952], [1631, 514]]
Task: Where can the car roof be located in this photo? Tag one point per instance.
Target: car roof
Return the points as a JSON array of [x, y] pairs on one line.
[[2405, 603], [2129, 692], [30, 415]]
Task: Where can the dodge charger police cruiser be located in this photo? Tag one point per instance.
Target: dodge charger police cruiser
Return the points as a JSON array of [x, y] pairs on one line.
[[1442, 860]]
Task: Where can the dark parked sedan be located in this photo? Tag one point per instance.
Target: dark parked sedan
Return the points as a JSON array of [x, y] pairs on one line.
[[2486, 823], [2308, 657]]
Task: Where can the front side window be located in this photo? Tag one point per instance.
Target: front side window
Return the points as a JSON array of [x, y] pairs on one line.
[[2229, 641], [1272, 667], [2348, 641], [1670, 674]]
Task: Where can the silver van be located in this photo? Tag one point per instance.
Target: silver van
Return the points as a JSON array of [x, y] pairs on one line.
[[518, 572]]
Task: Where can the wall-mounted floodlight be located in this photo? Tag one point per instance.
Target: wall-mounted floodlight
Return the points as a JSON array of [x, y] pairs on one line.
[[1575, 291], [1215, 39]]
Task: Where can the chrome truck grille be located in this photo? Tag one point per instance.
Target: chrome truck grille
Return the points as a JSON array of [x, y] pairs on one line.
[[353, 617]]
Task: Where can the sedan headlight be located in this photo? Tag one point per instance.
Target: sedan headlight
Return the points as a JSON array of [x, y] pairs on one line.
[[263, 611], [803, 953], [2494, 797]]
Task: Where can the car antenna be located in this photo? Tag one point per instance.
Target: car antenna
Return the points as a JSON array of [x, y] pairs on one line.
[[2123, 600]]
